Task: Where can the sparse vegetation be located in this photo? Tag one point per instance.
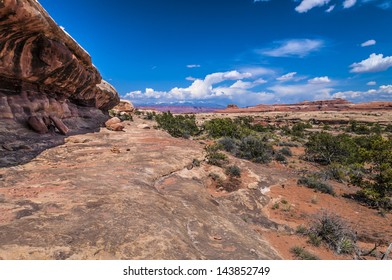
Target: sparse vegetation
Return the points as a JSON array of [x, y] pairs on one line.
[[333, 231], [314, 183], [178, 126], [233, 171], [301, 254]]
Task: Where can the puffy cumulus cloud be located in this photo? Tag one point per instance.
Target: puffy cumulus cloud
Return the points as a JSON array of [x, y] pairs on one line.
[[303, 91], [349, 3], [294, 48], [375, 63], [199, 89], [287, 77], [320, 80], [307, 5], [382, 93], [368, 43]]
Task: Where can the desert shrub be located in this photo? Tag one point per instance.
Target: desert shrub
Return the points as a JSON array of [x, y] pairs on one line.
[[218, 128], [357, 128], [228, 144], [178, 126], [301, 230], [196, 162], [214, 156], [298, 129], [286, 152], [333, 231], [255, 149], [337, 172], [314, 183], [301, 254], [150, 116], [233, 171], [288, 144], [388, 128], [280, 158]]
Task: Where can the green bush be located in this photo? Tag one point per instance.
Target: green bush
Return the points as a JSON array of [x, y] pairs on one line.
[[298, 129], [214, 157], [178, 126], [301, 254], [280, 158], [334, 231], [255, 149], [233, 171], [286, 152], [325, 148], [228, 144], [218, 128], [315, 184]]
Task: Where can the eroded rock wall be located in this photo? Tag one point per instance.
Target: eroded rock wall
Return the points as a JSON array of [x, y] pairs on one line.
[[43, 71]]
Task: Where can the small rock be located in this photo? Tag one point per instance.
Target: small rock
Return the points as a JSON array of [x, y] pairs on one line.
[[116, 127], [115, 150], [144, 126], [37, 124], [60, 125], [112, 121]]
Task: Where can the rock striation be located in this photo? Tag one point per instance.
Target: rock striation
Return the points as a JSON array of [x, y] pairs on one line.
[[46, 77]]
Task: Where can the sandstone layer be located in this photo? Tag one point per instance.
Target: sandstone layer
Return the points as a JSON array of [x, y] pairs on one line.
[[129, 195], [312, 106], [44, 72]]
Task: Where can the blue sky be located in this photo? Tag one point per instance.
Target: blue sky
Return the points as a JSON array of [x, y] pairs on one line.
[[245, 52]]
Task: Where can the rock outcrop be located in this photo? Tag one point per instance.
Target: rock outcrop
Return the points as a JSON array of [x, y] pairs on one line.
[[312, 106], [44, 73]]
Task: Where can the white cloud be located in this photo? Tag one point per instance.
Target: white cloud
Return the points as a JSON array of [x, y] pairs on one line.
[[320, 80], [368, 43], [349, 3], [200, 89], [295, 47], [193, 66], [375, 63], [330, 9], [382, 93], [307, 5], [257, 71], [190, 78], [372, 83], [287, 77]]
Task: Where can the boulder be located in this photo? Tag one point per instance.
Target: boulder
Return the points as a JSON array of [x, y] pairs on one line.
[[116, 127], [124, 106], [112, 121]]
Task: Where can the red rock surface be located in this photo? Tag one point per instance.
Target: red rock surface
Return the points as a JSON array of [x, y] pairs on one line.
[[43, 71], [310, 106]]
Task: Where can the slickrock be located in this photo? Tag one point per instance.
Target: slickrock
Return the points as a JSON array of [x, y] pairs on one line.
[[128, 195]]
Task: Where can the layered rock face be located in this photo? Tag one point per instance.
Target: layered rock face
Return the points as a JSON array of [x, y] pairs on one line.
[[44, 73]]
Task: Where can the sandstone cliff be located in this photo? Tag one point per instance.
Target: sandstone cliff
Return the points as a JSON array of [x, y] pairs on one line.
[[44, 73]]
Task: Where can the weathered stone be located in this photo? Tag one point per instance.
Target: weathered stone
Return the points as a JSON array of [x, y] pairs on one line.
[[124, 106], [37, 124], [112, 121], [43, 71], [116, 127], [60, 125]]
